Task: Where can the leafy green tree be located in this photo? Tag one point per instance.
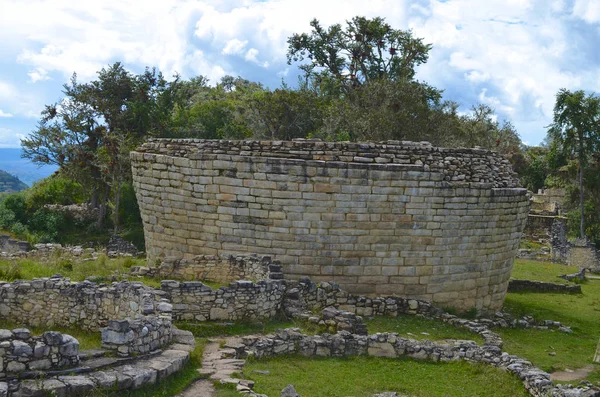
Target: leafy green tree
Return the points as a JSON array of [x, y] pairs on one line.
[[576, 130], [364, 50], [89, 133], [287, 114]]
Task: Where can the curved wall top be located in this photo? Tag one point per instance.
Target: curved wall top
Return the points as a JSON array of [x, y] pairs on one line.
[[386, 218]]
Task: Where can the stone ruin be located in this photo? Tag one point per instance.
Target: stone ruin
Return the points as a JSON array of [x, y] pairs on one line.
[[135, 323], [392, 218], [139, 344]]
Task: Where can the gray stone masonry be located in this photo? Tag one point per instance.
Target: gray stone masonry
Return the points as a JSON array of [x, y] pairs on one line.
[[140, 336], [242, 300], [47, 302], [21, 352], [394, 218], [391, 345], [217, 269]]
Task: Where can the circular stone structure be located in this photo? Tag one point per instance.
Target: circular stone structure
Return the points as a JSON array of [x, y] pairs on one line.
[[391, 218]]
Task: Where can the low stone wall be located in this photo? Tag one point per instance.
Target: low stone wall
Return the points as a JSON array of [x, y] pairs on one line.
[[220, 269], [540, 286], [242, 300], [20, 351], [140, 336], [391, 345], [47, 302], [584, 255], [306, 295], [12, 246]]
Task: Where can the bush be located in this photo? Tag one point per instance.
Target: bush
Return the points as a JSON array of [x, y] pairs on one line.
[[55, 189]]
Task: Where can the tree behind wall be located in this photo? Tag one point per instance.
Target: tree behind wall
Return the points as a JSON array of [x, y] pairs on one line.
[[576, 131], [90, 132]]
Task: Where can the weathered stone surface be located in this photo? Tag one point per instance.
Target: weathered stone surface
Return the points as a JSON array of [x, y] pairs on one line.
[[289, 391], [448, 220]]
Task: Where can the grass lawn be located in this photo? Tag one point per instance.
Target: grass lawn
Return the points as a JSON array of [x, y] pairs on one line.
[[77, 269], [579, 311], [364, 376], [80, 268], [525, 269], [419, 328], [87, 340]]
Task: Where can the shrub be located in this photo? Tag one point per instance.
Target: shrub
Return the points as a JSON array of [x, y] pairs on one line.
[[55, 189]]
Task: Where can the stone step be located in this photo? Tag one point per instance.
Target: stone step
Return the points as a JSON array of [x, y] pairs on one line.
[[85, 355], [130, 375]]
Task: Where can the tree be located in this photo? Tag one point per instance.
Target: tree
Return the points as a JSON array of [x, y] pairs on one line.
[[287, 114], [365, 50], [89, 133], [576, 129]]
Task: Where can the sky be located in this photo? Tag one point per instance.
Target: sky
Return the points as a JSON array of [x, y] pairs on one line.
[[513, 55]]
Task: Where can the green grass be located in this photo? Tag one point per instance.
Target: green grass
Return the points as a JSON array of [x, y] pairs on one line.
[[531, 245], [363, 376], [541, 271], [581, 312], [212, 329], [103, 268], [87, 340], [419, 328]]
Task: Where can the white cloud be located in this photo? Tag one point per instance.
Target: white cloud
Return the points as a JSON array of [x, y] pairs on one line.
[[17, 102], [520, 51], [10, 139], [588, 10], [38, 74], [251, 55], [234, 46], [476, 76]]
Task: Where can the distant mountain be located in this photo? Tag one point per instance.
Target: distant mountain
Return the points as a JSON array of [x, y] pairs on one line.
[[9, 183], [24, 169]]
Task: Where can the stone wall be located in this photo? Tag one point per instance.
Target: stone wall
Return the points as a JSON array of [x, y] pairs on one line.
[[20, 351], [242, 300], [47, 302], [140, 336], [391, 345], [219, 269], [584, 255], [11, 246], [408, 219]]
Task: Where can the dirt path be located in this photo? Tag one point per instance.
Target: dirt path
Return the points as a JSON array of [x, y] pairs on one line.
[[572, 374]]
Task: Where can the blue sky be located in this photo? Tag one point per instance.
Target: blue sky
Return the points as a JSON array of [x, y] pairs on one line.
[[513, 55]]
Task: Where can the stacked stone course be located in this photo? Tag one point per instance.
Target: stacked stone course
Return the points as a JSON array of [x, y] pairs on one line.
[[217, 269], [391, 345], [21, 352], [140, 336], [399, 218], [242, 300], [47, 302]]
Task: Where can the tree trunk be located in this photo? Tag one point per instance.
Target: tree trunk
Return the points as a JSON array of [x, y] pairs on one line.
[[581, 201], [117, 206], [102, 208]]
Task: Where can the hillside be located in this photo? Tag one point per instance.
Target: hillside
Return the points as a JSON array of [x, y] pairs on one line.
[[9, 183]]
